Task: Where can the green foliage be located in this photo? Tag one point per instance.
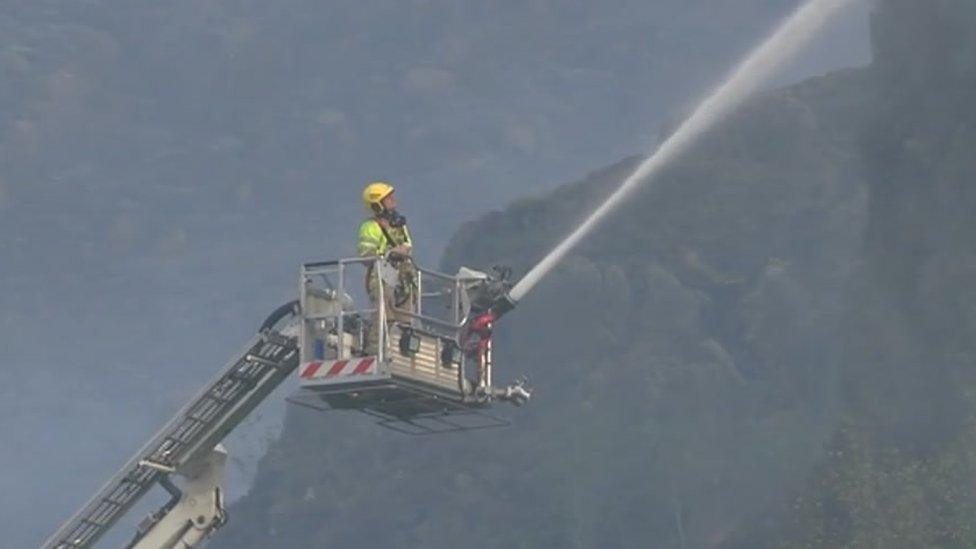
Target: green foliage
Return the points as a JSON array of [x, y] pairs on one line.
[[869, 494], [683, 357], [899, 469], [723, 363]]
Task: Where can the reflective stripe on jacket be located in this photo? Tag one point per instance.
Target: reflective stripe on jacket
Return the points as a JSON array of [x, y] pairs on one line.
[[372, 241]]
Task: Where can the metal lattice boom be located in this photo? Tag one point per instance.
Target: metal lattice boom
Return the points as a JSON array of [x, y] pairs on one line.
[[264, 363]]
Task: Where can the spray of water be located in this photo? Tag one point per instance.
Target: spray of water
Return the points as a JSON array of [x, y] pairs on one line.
[[762, 63]]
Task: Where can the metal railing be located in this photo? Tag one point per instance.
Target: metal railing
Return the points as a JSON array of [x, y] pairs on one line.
[[342, 301], [330, 280]]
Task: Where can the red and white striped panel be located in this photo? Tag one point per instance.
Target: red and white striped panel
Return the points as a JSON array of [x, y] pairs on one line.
[[338, 368]]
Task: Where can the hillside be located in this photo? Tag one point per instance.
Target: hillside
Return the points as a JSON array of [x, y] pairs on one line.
[[898, 467], [771, 347], [165, 166], [684, 356]]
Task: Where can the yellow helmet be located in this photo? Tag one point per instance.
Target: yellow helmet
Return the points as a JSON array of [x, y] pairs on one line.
[[375, 192]]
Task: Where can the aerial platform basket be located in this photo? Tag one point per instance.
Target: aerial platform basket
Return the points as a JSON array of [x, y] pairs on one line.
[[419, 360]]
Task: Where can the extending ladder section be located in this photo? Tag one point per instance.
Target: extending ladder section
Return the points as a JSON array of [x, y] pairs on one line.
[[266, 361]]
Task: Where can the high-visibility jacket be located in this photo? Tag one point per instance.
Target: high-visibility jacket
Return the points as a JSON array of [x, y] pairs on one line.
[[373, 240]]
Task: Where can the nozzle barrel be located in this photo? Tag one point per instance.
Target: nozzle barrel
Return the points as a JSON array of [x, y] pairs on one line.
[[503, 304]]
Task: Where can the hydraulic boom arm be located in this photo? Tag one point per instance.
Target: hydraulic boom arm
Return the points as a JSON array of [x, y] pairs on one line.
[[186, 445]]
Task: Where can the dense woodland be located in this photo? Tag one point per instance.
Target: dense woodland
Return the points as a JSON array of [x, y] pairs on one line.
[[771, 347]]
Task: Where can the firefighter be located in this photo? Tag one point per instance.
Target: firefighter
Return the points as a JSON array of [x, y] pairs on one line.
[[385, 235]]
